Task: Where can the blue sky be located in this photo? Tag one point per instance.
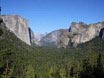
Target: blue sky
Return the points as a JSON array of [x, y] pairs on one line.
[[48, 15]]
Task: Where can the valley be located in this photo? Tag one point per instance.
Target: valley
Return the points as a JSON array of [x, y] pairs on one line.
[[20, 60]]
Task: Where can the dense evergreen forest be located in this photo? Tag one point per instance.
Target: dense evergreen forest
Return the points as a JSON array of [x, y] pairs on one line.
[[18, 60]]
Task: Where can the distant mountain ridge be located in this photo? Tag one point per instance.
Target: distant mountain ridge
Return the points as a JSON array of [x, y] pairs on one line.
[[76, 34], [53, 38]]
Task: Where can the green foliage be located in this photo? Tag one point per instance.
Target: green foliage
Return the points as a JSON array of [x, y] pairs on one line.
[[87, 70], [19, 60], [98, 69], [30, 72]]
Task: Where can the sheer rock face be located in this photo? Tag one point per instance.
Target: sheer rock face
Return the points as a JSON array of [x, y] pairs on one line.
[[31, 35], [87, 33], [35, 38], [64, 39], [50, 39], [102, 33], [56, 38], [18, 25], [78, 33], [77, 28]]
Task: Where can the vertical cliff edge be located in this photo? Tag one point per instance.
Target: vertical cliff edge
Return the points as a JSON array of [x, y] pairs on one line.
[[19, 26], [76, 34]]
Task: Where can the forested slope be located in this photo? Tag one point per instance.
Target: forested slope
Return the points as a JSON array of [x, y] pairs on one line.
[[18, 60]]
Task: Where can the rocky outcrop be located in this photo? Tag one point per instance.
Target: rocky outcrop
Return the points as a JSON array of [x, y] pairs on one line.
[[102, 33], [31, 35], [88, 33], [64, 39], [77, 28], [38, 38], [50, 39], [18, 25], [77, 33], [58, 38], [35, 38]]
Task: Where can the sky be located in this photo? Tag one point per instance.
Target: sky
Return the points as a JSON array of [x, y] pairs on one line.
[[48, 15]]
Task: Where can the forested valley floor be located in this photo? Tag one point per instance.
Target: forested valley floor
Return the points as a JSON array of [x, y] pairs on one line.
[[18, 60]]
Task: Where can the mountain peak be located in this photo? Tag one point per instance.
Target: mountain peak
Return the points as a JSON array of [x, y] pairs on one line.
[[76, 34], [18, 25]]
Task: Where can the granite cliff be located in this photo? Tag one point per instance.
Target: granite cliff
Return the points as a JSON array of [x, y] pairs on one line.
[[53, 38], [35, 38], [18, 25], [77, 33], [102, 33], [86, 32]]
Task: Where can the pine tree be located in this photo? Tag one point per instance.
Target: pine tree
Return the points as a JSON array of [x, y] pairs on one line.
[[87, 70], [98, 71]]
